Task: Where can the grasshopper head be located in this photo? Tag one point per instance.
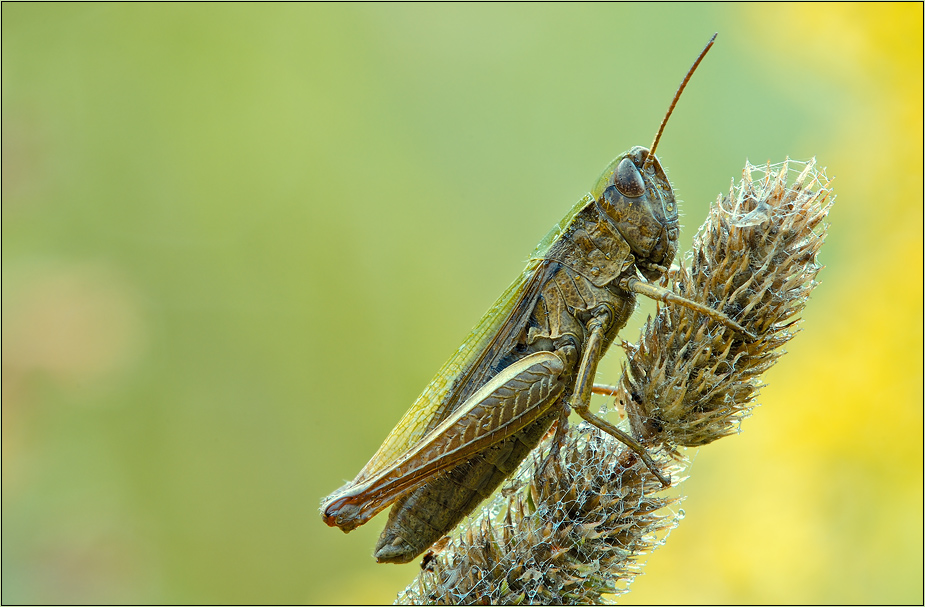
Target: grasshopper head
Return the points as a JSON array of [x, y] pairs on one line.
[[639, 202], [637, 198]]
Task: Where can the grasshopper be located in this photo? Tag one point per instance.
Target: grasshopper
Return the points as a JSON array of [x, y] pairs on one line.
[[529, 361]]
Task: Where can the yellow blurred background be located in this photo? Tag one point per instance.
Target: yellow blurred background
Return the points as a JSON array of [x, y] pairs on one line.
[[238, 240]]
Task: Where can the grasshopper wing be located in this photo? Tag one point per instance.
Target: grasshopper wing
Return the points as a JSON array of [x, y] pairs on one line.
[[511, 400]]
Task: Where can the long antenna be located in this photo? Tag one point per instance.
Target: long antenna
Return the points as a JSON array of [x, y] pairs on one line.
[[674, 101]]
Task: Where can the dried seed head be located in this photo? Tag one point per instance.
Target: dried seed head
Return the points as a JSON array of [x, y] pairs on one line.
[[566, 537], [571, 532], [689, 382]]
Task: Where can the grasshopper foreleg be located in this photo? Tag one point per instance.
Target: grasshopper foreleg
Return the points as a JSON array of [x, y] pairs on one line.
[[581, 397], [664, 295]]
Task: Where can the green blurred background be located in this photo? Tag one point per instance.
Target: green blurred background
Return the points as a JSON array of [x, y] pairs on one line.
[[238, 240]]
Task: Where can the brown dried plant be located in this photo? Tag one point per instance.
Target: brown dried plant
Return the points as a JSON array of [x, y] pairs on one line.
[[571, 529]]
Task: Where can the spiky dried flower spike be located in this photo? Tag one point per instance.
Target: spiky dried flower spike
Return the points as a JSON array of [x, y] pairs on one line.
[[690, 382], [570, 529]]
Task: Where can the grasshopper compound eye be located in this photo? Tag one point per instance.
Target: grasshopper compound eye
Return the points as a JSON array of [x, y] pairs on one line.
[[628, 180]]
